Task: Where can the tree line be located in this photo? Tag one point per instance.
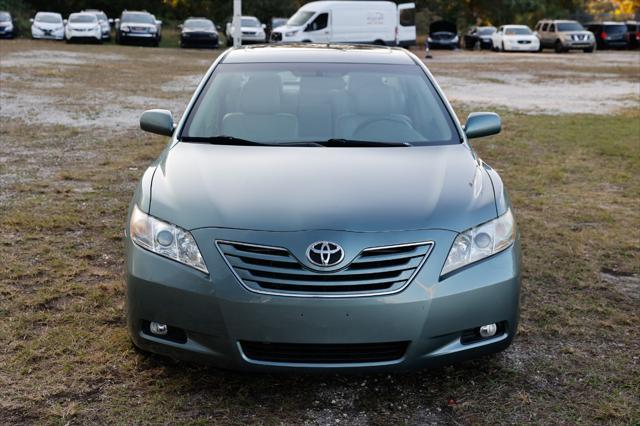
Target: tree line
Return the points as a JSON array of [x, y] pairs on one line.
[[462, 12]]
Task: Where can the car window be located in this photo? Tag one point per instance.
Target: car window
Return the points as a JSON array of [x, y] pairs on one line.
[[300, 18], [201, 24], [552, 28], [285, 102], [408, 17], [50, 19], [141, 18], [249, 22], [320, 23], [486, 31], [82, 19], [4, 17], [518, 31], [569, 26], [615, 29]]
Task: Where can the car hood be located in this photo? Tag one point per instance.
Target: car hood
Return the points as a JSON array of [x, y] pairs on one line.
[[138, 25], [530, 37], [83, 26], [305, 188], [442, 26]]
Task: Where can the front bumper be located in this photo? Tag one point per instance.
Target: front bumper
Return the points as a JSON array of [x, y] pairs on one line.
[[57, 35], [217, 312], [199, 39], [578, 44], [254, 38], [84, 35], [134, 37], [522, 47], [443, 44]]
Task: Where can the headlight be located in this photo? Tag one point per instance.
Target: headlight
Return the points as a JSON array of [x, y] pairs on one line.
[[153, 30], [165, 239], [291, 33], [480, 242], [124, 28], [455, 39], [429, 39]]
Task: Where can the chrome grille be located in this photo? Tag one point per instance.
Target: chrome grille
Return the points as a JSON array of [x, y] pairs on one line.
[[274, 270]]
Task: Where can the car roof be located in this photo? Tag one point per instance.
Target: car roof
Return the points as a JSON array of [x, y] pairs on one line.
[[514, 26], [323, 53]]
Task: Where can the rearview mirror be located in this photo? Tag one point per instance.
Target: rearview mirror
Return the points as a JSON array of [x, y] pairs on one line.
[[480, 124], [158, 121]]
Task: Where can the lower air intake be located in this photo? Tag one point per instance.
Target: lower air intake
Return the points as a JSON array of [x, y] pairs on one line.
[[324, 353]]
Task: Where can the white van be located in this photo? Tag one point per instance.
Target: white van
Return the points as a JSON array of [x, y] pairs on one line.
[[371, 22]]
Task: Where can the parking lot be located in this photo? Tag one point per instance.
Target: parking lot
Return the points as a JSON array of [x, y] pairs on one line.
[[71, 154]]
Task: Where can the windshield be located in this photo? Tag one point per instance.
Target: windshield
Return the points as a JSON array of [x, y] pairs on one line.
[[4, 17], [101, 16], [314, 102], [300, 18], [486, 31], [249, 22], [49, 18], [82, 19], [517, 31], [199, 24], [615, 29], [141, 18], [569, 26]]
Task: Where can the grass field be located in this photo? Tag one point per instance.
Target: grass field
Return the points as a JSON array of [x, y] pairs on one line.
[[68, 167]]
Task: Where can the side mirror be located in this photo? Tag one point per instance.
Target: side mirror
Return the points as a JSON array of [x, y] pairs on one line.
[[158, 23], [264, 26], [111, 21], [31, 20], [181, 26], [481, 124], [218, 28], [64, 21], [158, 121]]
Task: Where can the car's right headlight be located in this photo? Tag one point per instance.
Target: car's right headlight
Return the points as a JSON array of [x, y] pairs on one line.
[[165, 239], [291, 33], [124, 28], [480, 242]]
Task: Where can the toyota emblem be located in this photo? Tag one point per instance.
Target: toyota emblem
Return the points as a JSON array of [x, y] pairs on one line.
[[325, 253]]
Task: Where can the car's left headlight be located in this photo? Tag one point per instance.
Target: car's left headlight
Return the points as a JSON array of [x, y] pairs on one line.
[[291, 33], [480, 242], [165, 239]]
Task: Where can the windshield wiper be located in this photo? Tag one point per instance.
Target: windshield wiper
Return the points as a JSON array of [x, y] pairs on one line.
[[223, 140], [351, 143]]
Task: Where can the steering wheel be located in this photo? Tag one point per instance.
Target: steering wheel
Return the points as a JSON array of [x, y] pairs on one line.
[[369, 122]]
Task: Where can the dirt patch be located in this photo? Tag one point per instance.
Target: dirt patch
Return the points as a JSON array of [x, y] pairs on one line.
[[541, 83]]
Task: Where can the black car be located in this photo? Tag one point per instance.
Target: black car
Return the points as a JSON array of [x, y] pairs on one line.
[[137, 28], [443, 35], [609, 35], [199, 32], [8, 27], [479, 37], [633, 34]]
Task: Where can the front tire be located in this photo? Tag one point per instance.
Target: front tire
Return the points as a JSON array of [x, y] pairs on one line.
[[558, 47]]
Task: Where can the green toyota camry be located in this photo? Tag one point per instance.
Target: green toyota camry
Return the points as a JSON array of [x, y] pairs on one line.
[[320, 208]]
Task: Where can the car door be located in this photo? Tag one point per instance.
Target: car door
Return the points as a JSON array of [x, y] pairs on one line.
[[496, 38], [406, 33], [544, 35], [319, 30]]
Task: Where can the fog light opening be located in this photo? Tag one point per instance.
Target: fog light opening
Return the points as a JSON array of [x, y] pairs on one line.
[[488, 330], [158, 329]]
